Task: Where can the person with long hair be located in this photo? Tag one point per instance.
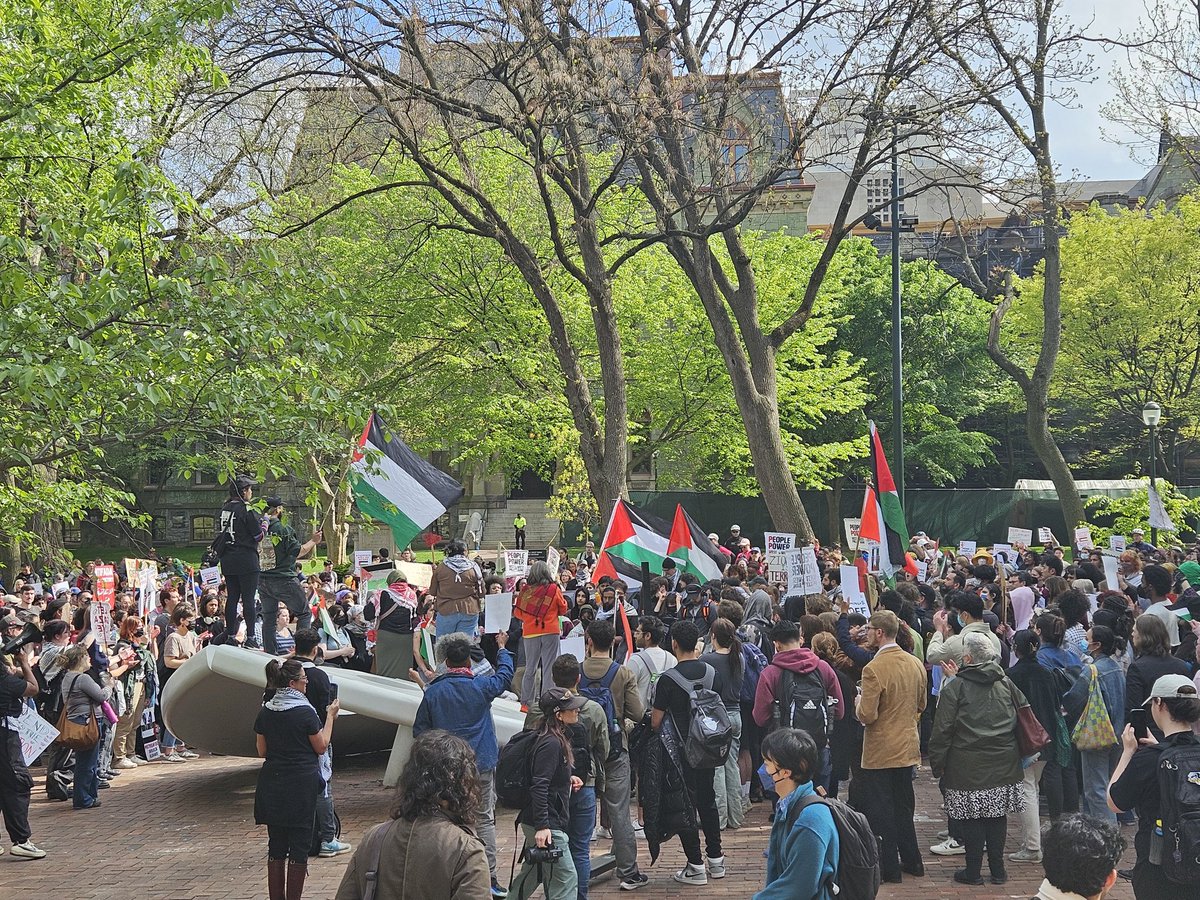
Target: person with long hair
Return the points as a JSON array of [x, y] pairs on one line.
[[546, 815], [180, 646], [1097, 765], [428, 849], [242, 530], [538, 606], [82, 697], [135, 682], [291, 740], [1174, 706], [1152, 660], [726, 658]]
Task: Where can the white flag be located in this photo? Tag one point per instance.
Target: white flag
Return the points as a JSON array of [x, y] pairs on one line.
[[1158, 513]]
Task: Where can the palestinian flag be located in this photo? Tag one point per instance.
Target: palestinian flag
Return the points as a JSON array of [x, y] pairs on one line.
[[893, 533], [394, 485], [633, 537], [692, 550]]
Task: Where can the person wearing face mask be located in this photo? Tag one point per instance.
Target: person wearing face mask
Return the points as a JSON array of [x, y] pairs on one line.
[[134, 683], [802, 856], [338, 648], [1097, 765]]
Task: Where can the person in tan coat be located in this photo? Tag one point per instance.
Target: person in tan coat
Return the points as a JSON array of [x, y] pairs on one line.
[[890, 706], [456, 588], [427, 850]]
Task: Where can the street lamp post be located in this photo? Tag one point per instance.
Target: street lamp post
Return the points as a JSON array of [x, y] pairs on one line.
[[1151, 415]]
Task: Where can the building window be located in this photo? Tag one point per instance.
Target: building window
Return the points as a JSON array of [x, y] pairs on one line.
[[735, 151], [879, 194], [157, 472], [72, 534], [203, 529]]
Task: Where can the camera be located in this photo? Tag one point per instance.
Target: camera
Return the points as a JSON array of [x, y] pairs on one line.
[[536, 854]]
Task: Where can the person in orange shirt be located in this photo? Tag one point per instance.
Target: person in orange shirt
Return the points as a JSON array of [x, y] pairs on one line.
[[538, 606]]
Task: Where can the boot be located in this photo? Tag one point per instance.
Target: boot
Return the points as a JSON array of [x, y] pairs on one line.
[[296, 873], [276, 879]]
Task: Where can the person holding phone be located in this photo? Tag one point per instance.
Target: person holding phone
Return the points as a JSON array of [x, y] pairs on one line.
[[1174, 707]]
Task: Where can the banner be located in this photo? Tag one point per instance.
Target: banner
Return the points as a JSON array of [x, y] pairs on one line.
[[1083, 538]]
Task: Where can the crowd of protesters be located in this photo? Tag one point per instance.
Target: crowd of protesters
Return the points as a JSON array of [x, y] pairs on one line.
[[821, 700]]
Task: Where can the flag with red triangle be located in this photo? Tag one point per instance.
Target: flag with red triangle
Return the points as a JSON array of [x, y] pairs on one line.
[[892, 532], [633, 537], [691, 549]]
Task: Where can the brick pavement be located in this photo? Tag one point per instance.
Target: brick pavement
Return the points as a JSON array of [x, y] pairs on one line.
[[186, 832]]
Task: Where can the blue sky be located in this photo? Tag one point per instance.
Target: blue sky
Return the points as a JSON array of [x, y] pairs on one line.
[[1082, 139]]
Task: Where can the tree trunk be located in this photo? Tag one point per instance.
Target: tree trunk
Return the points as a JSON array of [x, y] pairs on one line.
[[336, 526], [49, 547], [1044, 445]]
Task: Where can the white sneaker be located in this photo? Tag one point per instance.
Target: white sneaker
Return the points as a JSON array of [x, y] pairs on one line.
[[948, 847], [1029, 856], [690, 874], [716, 866], [601, 834], [124, 763], [27, 851], [639, 833], [172, 758]]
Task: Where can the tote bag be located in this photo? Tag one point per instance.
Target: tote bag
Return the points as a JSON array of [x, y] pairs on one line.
[[1094, 729], [72, 734]]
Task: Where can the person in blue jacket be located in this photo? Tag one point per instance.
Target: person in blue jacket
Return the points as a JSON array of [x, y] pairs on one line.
[[460, 702], [801, 859]]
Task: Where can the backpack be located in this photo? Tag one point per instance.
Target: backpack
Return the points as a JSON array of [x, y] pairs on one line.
[[709, 732], [599, 690], [753, 663], [857, 876], [514, 775], [801, 702], [1179, 794], [581, 750]]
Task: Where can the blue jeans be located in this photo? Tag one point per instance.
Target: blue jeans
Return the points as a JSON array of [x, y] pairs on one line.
[[169, 741], [1097, 766], [579, 835], [86, 787], [454, 623]]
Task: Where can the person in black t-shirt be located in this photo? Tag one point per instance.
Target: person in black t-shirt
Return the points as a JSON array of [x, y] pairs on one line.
[[291, 740], [671, 699], [17, 683], [243, 530]]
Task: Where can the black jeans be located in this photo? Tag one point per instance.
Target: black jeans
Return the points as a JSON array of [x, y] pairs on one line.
[[1061, 787], [240, 568], [276, 592], [291, 842], [890, 808], [980, 832], [700, 785], [15, 786]]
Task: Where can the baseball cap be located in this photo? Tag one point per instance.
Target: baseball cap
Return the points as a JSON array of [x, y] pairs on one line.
[[1137, 531], [274, 501], [1172, 687], [559, 699], [713, 537], [735, 527]]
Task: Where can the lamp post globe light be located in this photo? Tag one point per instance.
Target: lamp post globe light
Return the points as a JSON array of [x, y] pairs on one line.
[[1151, 416]]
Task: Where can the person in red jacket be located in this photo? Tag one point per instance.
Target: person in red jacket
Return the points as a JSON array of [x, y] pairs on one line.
[[792, 656]]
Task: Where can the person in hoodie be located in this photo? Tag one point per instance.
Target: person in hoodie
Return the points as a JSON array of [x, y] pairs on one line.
[[945, 645], [538, 606], [793, 656], [973, 749], [457, 586]]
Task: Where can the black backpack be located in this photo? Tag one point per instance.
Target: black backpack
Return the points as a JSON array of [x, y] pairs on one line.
[[801, 702], [599, 690], [1179, 794], [514, 775], [709, 732], [857, 876]]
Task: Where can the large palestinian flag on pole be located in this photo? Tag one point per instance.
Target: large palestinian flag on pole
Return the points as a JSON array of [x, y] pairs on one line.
[[394, 485], [890, 530], [633, 537], [690, 547]]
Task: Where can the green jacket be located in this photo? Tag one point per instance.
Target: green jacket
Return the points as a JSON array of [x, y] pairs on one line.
[[974, 742]]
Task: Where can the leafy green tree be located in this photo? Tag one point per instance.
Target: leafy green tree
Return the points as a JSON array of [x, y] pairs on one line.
[[1123, 514]]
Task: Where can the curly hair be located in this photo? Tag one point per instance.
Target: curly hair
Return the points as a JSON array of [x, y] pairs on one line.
[[440, 778], [1081, 853]]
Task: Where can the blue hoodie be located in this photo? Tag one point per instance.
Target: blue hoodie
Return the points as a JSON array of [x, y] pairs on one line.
[[801, 863]]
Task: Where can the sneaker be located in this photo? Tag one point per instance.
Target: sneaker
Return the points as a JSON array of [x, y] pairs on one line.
[[189, 754], [690, 874], [124, 763], [102, 785], [333, 848], [634, 881], [27, 851], [639, 833], [171, 758], [942, 835], [716, 866], [948, 847], [601, 834], [1029, 856], [498, 892]]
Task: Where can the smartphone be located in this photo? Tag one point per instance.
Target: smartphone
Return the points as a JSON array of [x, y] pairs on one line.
[[333, 688], [1137, 718]]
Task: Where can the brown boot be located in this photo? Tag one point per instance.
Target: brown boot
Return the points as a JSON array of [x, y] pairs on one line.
[[276, 879], [296, 873]]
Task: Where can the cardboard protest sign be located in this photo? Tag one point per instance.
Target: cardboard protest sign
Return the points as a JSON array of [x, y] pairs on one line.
[[922, 569], [1110, 573], [102, 624], [776, 545], [106, 585], [497, 612], [60, 587], [418, 574], [1046, 536], [1020, 536], [516, 563], [35, 732], [1116, 542], [852, 591], [553, 559], [804, 577], [1004, 553], [967, 548]]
